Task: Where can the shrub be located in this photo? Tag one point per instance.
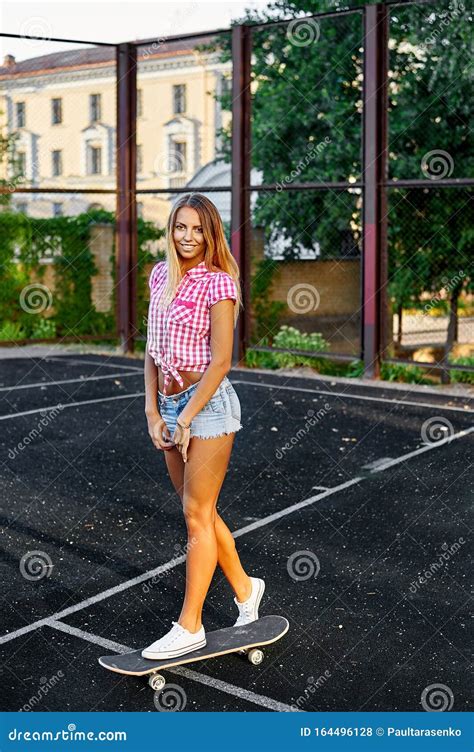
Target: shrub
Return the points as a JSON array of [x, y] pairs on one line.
[[466, 377]]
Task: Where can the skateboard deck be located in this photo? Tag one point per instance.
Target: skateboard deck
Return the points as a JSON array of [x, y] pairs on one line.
[[262, 631]]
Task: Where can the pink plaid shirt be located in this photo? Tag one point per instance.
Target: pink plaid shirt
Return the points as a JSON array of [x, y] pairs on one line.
[[178, 337]]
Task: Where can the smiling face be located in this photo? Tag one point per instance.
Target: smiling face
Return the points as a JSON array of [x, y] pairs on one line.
[[188, 235]]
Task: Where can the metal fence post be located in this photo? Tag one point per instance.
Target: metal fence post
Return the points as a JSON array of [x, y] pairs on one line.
[[126, 212], [240, 214], [374, 171]]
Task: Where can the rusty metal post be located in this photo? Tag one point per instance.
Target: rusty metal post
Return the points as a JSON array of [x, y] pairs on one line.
[[240, 214], [126, 212], [374, 172]]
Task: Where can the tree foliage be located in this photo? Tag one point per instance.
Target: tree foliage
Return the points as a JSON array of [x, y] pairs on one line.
[[306, 90]]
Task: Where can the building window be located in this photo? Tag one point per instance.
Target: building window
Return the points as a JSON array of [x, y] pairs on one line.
[[20, 115], [22, 207], [139, 158], [226, 86], [140, 209], [139, 103], [21, 163], [94, 162], [95, 107], [179, 98], [56, 111], [177, 159], [57, 210], [57, 156]]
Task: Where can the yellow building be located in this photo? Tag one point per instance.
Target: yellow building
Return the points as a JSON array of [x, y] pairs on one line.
[[62, 106]]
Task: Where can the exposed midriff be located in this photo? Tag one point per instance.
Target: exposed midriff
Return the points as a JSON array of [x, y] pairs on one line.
[[189, 378]]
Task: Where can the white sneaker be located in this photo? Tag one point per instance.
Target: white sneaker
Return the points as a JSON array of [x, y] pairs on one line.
[[248, 610], [176, 642]]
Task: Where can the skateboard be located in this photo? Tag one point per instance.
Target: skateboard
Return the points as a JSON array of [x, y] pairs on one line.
[[245, 640]]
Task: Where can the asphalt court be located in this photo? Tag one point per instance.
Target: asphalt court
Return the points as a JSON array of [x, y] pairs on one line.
[[339, 496]]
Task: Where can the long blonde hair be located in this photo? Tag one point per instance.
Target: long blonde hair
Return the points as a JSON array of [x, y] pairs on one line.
[[217, 252]]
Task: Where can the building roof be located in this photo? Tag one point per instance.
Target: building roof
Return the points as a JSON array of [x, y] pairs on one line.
[[95, 56]]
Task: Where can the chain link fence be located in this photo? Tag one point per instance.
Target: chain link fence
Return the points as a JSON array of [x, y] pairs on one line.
[[430, 216]]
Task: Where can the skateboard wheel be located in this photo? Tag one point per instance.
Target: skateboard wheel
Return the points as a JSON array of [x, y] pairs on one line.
[[157, 682], [255, 656]]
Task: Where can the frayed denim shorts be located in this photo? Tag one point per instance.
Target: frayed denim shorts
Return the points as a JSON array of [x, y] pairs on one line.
[[219, 416]]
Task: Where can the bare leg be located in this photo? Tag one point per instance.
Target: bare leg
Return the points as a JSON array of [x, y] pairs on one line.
[[213, 461], [229, 561]]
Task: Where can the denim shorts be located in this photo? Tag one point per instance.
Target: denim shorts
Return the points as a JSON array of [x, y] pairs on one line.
[[220, 415]]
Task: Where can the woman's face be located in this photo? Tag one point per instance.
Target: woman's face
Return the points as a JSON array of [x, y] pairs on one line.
[[188, 235]]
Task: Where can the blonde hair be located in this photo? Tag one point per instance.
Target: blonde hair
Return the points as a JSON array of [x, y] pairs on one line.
[[217, 252]]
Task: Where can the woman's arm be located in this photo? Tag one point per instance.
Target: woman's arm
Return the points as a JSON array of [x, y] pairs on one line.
[[151, 386], [156, 425], [222, 329]]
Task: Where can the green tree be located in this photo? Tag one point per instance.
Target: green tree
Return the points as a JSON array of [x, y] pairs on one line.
[[430, 233], [306, 126], [306, 90]]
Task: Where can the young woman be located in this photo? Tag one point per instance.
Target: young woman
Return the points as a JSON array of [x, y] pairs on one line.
[[192, 409]]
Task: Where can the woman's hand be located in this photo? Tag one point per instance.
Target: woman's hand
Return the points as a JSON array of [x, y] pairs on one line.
[[159, 432], [181, 438]]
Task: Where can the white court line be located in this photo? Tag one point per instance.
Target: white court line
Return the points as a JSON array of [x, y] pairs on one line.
[[209, 681], [74, 362], [83, 380], [242, 531], [253, 383], [355, 396], [71, 404]]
